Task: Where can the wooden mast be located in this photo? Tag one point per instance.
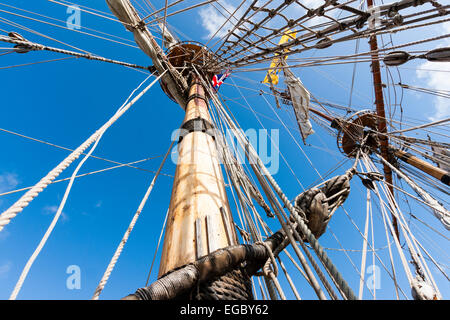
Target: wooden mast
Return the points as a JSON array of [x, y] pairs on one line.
[[199, 220]]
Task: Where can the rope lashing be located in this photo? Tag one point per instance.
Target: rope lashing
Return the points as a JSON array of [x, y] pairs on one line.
[[246, 259], [254, 192], [319, 204], [270, 274], [244, 234]]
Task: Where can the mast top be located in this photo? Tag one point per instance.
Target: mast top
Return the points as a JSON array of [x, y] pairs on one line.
[[184, 56]]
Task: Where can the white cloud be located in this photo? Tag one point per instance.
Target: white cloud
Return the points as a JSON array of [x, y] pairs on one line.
[[99, 204], [437, 80], [8, 181], [5, 268], [52, 210]]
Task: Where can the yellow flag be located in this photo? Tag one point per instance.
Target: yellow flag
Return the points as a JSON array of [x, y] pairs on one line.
[[272, 74]]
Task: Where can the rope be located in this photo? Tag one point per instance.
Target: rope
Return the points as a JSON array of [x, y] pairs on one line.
[[66, 28], [405, 230], [157, 247], [234, 285], [35, 63], [275, 204], [319, 204], [124, 240], [364, 250], [305, 230], [32, 46], [442, 214], [271, 258], [254, 158], [270, 276], [434, 123], [17, 207]]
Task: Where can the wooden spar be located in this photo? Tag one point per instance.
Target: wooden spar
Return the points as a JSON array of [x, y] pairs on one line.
[[199, 220], [379, 102]]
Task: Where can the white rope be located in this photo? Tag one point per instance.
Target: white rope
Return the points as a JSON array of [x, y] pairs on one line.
[[393, 276], [124, 240], [157, 247], [364, 251], [17, 207], [385, 214], [417, 258]]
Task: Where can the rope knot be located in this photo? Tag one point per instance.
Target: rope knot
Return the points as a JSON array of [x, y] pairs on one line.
[[319, 204]]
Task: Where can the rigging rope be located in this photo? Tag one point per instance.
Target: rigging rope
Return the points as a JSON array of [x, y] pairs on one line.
[[417, 259], [82, 175], [68, 149], [434, 123]]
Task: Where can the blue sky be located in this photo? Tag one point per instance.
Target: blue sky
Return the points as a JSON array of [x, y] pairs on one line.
[[64, 102]]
